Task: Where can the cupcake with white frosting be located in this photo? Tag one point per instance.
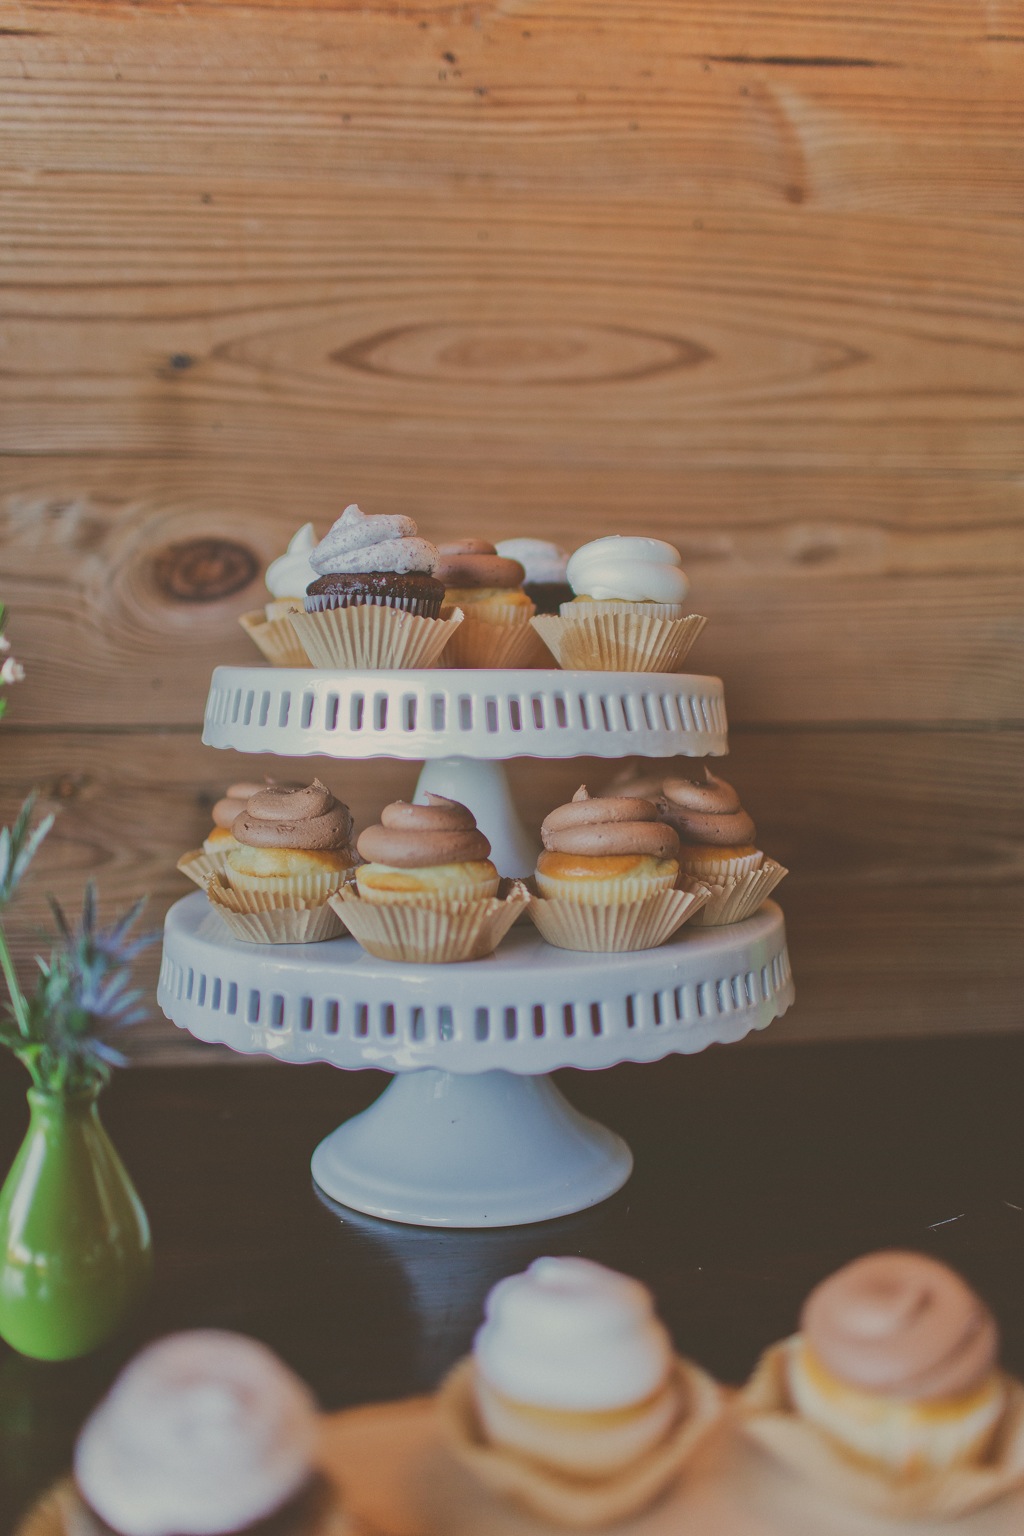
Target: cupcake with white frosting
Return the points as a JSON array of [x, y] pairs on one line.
[[287, 579], [375, 598], [574, 1402], [628, 612]]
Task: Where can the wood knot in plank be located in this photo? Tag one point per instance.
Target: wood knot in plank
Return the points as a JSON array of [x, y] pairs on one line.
[[204, 570]]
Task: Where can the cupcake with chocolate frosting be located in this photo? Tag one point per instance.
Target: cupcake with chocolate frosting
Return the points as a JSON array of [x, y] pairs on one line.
[[375, 599], [608, 874], [891, 1392], [210, 859], [428, 890], [287, 578], [488, 588], [717, 844]]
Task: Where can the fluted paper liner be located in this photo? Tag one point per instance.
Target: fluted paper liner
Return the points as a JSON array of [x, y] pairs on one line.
[[466, 891], [616, 927], [263, 919], [735, 900], [717, 871], [62, 1512], [200, 865], [568, 1499], [593, 607], [619, 642], [480, 643], [430, 930], [370, 636], [275, 638], [311, 889], [602, 892], [767, 1415]]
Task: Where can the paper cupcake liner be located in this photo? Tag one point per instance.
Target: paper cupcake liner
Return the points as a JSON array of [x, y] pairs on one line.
[[735, 900], [467, 891], [365, 635], [568, 1499], [496, 609], [281, 607], [766, 1415], [275, 638], [593, 608], [719, 870], [62, 1512], [602, 892], [619, 642], [618, 926], [481, 643], [200, 865], [431, 931], [310, 888], [261, 919]]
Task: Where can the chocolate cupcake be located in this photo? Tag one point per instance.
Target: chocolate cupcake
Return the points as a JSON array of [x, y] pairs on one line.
[[380, 561]]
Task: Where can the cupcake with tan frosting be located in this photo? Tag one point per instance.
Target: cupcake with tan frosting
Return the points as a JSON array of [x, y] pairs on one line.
[[210, 858], [287, 578], [608, 874], [488, 588], [427, 890], [628, 612], [574, 1402], [375, 599], [294, 849], [717, 844], [891, 1394]]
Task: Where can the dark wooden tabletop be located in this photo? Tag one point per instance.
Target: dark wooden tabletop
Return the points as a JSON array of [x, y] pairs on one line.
[[759, 1169]]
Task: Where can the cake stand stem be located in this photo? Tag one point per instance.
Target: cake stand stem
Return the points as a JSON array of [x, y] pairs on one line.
[[487, 1149], [483, 787]]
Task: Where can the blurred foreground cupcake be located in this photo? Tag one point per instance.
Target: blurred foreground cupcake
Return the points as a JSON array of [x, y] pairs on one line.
[[890, 1396], [574, 1403], [375, 600], [544, 580], [202, 1434], [607, 878], [488, 588], [717, 844], [428, 890], [293, 852], [287, 579], [628, 613]]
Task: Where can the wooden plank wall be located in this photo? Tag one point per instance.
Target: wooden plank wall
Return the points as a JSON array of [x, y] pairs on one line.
[[744, 276]]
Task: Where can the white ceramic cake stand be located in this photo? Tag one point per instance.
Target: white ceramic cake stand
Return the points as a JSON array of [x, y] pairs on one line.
[[471, 1132]]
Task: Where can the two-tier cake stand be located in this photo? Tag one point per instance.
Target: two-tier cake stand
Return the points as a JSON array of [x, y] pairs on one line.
[[471, 1131]]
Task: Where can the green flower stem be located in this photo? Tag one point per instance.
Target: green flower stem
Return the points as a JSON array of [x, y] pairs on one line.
[[18, 1002]]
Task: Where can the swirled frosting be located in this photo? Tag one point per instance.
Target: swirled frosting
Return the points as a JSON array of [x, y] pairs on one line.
[[633, 569], [420, 836], [902, 1325], [205, 1432], [543, 563], [291, 573], [282, 817], [358, 544], [599, 827], [571, 1334], [475, 563], [708, 812], [234, 802]]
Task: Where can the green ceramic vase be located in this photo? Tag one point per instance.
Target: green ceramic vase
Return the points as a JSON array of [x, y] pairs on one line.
[[75, 1249]]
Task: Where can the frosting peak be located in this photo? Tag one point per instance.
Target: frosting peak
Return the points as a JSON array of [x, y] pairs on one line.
[[475, 563], [236, 797], [203, 1432], [358, 544], [706, 811], [902, 1325], [291, 573], [599, 827], [632, 569], [421, 836], [571, 1334], [280, 816]]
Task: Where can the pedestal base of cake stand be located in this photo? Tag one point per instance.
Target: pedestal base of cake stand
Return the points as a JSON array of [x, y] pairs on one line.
[[484, 788], [488, 1149]]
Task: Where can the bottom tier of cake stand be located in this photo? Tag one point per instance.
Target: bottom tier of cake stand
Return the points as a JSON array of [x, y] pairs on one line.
[[472, 1132]]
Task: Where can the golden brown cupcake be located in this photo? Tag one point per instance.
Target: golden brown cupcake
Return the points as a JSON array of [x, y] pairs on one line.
[[488, 589], [291, 841], [600, 849], [716, 836]]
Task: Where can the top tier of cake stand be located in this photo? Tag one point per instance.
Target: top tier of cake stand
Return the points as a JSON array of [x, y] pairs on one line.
[[485, 715]]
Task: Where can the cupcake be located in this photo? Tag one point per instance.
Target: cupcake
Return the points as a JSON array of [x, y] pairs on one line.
[[628, 613], [428, 889], [717, 844], [574, 1402], [891, 1394], [204, 1433], [607, 876], [287, 579], [489, 590], [544, 580], [294, 850], [210, 858], [375, 600]]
